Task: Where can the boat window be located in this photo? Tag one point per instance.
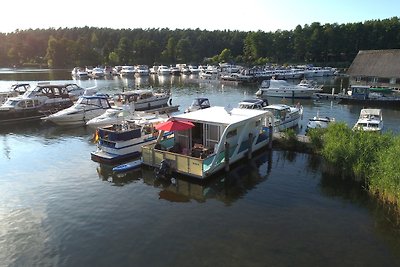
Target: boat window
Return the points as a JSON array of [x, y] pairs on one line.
[[29, 103], [231, 133], [258, 123], [21, 104]]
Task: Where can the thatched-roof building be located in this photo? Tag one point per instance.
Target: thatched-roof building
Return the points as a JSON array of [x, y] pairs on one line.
[[376, 68]]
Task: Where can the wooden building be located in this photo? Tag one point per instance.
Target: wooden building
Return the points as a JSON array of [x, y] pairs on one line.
[[377, 68]]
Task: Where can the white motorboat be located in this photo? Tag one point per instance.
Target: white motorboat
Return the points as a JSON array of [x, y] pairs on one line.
[[370, 120], [86, 108], [97, 73], [143, 99], [281, 88], [163, 70], [318, 122], [117, 115], [285, 116], [128, 71], [79, 73], [208, 140]]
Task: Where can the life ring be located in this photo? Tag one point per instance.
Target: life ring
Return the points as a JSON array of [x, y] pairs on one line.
[[170, 101]]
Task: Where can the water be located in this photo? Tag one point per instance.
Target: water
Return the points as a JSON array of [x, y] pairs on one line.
[[59, 208]]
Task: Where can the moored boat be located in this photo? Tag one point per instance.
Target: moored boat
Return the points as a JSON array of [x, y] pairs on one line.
[[14, 91], [281, 88], [143, 99], [285, 116], [370, 120], [86, 108], [208, 140], [318, 122], [35, 104], [122, 141]]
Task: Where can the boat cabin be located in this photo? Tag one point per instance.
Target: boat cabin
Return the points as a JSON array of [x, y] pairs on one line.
[[253, 103], [198, 103]]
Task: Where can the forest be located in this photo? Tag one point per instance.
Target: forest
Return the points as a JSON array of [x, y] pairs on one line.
[[329, 44]]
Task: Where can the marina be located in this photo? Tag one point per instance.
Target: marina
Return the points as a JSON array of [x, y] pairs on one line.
[[60, 208]]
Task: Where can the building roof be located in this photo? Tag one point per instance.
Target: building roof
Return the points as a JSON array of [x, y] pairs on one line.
[[376, 63]]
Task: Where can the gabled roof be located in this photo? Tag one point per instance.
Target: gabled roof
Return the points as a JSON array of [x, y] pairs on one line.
[[376, 63]]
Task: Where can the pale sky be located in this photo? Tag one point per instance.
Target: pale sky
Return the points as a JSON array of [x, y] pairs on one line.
[[244, 15]]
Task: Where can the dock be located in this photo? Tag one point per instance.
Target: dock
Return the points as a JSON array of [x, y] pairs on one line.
[[328, 96]]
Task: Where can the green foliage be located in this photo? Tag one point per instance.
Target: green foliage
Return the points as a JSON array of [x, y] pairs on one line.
[[370, 157], [385, 177], [315, 43], [316, 139]]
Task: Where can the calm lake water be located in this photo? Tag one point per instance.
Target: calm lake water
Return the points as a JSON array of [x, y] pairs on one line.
[[59, 208]]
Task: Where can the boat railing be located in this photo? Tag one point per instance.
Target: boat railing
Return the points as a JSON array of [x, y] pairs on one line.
[[182, 163]]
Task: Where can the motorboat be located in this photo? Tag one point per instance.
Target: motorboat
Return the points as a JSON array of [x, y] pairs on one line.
[[142, 70], [163, 70], [117, 115], [97, 73], [143, 99], [285, 116], [35, 104], [208, 140], [370, 120], [281, 88], [127, 71], [75, 91], [122, 141], [79, 73], [198, 103], [14, 91], [255, 103], [318, 122], [86, 108]]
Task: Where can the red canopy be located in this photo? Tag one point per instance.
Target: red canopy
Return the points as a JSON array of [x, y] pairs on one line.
[[174, 125]]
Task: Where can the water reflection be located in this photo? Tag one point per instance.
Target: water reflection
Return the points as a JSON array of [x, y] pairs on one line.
[[226, 187]]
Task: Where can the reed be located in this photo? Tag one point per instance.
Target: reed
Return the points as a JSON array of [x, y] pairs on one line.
[[367, 157]]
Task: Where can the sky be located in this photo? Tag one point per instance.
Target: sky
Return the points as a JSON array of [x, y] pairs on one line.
[[242, 15]]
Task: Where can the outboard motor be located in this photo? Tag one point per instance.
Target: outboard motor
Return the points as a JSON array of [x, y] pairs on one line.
[[164, 171]]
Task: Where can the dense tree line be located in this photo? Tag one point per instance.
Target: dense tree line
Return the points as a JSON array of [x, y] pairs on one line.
[[328, 44]]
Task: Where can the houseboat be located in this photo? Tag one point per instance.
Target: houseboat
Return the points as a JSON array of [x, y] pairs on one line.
[[208, 140]]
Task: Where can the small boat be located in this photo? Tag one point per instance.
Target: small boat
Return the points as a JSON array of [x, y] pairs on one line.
[[143, 99], [370, 120], [208, 140], [281, 88], [318, 122], [198, 103], [131, 165], [35, 104], [118, 142], [86, 108], [285, 116]]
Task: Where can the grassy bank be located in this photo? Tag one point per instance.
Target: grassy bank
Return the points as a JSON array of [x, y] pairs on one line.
[[371, 158]]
